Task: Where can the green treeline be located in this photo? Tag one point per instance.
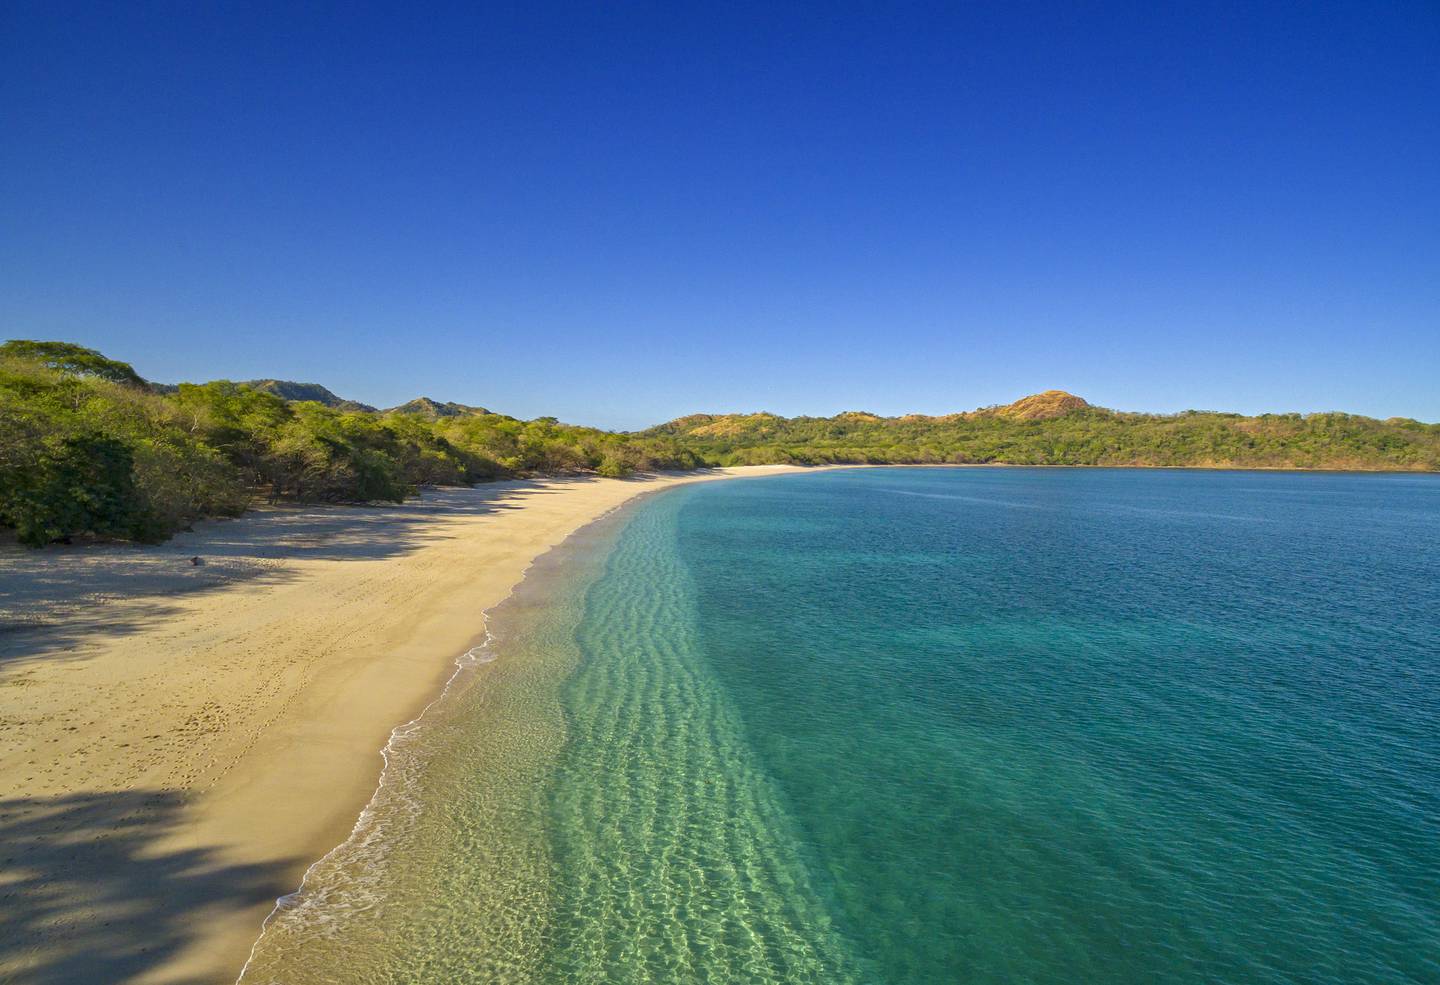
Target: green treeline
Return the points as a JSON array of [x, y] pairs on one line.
[[89, 447], [1084, 436]]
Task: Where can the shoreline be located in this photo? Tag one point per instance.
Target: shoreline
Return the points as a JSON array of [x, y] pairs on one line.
[[392, 751], [180, 745], [239, 708]]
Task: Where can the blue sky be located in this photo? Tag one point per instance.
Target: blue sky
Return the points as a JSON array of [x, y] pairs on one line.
[[621, 213]]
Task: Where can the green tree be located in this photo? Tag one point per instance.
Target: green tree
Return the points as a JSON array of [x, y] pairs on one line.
[[66, 357]]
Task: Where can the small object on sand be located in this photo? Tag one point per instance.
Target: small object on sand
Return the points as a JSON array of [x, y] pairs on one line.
[[196, 561]]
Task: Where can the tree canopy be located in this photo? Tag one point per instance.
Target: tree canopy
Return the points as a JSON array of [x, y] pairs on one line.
[[66, 357]]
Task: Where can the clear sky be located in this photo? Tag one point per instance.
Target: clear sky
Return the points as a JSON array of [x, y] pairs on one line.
[[619, 213]]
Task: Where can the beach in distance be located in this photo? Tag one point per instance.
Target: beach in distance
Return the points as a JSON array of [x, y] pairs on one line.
[[180, 740]]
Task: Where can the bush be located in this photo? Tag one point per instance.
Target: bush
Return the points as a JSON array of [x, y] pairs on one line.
[[614, 467], [79, 484]]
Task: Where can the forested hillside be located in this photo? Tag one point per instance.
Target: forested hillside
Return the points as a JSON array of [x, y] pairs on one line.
[[434, 409], [1056, 428], [89, 447], [306, 391]]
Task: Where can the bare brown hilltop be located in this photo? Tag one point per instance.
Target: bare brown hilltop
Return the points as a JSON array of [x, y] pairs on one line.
[[1042, 406]]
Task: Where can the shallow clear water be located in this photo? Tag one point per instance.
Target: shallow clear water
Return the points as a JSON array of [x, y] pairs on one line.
[[897, 725]]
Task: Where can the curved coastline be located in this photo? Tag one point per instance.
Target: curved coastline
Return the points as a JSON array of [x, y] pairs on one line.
[[244, 701], [638, 490], [453, 840], [479, 655]]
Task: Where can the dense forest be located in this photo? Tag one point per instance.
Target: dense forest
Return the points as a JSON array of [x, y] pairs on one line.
[[87, 446]]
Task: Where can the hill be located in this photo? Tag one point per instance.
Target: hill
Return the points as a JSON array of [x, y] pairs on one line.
[[1059, 428], [288, 390], [434, 410], [88, 447], [1040, 406]]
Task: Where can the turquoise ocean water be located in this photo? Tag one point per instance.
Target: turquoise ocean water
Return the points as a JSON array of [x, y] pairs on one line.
[[925, 726]]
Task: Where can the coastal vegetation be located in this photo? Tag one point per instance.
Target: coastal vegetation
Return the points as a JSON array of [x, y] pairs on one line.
[[1057, 428], [87, 446]]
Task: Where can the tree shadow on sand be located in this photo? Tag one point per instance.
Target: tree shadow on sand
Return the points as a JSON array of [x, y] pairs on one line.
[[87, 894], [54, 600]]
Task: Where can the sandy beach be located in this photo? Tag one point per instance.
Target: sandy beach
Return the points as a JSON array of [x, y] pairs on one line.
[[179, 741]]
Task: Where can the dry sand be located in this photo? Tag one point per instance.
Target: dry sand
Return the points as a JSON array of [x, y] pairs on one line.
[[178, 742]]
